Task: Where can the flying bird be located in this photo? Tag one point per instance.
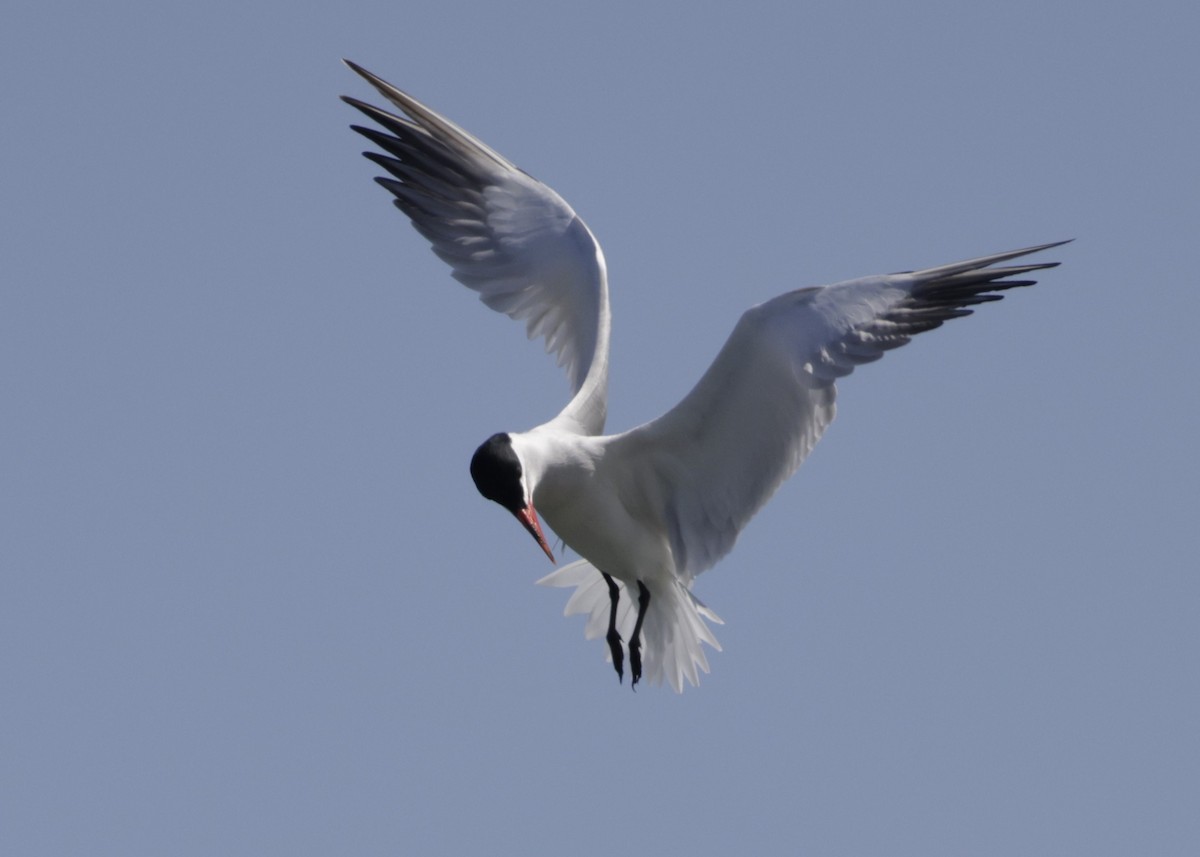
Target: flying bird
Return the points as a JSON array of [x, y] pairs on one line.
[[650, 508]]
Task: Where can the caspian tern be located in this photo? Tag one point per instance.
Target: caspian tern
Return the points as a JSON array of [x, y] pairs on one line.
[[650, 508]]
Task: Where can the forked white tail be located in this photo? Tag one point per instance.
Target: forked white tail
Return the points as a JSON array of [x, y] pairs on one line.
[[672, 631]]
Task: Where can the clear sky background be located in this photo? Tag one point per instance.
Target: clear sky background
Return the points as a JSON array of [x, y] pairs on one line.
[[250, 602]]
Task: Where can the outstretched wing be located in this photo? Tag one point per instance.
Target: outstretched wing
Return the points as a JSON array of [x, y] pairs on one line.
[[712, 461], [504, 234]]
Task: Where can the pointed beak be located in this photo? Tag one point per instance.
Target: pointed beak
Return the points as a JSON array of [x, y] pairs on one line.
[[529, 520]]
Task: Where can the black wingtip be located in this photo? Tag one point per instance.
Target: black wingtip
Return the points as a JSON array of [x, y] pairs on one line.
[[384, 88], [357, 69]]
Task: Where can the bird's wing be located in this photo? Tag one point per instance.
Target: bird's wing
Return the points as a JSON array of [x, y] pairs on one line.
[[505, 235], [706, 466]]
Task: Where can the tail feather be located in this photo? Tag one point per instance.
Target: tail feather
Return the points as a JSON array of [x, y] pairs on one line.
[[673, 630]]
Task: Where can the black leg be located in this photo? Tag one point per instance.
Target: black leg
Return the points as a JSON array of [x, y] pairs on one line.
[[614, 639], [635, 642]]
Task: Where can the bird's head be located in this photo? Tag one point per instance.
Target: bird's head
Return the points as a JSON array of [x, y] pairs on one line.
[[499, 476]]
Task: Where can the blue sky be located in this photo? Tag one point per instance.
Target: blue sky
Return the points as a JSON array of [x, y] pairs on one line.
[[252, 603]]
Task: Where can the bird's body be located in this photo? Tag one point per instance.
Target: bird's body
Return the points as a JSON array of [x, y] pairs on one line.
[[650, 508]]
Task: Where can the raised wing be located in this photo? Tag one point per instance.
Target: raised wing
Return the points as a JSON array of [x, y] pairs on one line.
[[505, 235], [712, 461]]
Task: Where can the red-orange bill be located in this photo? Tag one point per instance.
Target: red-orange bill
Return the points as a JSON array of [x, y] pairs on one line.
[[529, 520]]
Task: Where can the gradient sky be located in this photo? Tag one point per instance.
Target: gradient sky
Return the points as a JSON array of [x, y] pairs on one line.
[[250, 602]]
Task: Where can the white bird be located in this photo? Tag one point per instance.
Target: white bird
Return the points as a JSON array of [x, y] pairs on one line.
[[650, 508]]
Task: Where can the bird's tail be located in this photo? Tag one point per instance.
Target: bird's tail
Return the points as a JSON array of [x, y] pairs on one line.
[[672, 631]]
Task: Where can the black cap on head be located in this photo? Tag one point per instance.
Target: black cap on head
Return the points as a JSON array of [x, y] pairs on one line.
[[497, 472]]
